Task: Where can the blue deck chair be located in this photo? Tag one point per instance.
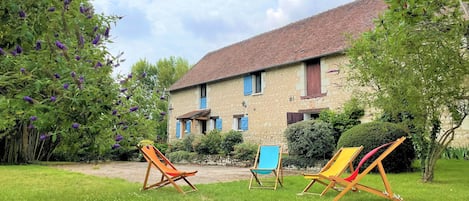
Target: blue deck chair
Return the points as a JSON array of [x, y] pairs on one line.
[[268, 161]]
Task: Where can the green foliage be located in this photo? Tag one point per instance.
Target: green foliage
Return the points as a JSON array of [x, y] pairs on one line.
[[374, 134], [177, 145], [245, 151], [54, 66], [180, 156], [415, 61], [345, 120], [229, 140], [210, 143], [458, 153], [309, 141]]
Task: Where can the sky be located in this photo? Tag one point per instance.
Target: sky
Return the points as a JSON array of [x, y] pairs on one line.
[[157, 29]]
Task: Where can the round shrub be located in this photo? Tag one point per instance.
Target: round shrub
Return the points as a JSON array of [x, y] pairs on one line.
[[245, 151], [229, 140], [181, 156], [209, 143], [374, 134], [310, 141]]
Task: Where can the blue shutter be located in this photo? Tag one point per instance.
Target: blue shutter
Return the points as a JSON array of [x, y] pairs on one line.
[[247, 85], [188, 126], [178, 129], [203, 102], [244, 123], [218, 124]]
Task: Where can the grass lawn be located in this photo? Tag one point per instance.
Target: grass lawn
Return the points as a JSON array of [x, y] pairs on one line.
[[35, 182]]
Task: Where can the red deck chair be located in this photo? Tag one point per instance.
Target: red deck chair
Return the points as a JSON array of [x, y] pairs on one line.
[[351, 182]]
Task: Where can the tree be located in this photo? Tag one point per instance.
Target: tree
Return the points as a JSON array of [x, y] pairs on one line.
[[415, 67], [151, 93], [56, 88]]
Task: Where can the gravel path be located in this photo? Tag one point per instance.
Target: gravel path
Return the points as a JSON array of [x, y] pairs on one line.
[[135, 171]]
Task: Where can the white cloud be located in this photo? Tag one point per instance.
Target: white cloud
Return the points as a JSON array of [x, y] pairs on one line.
[[156, 29]]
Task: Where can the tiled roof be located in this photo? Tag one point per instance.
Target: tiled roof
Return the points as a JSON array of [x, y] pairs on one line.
[[312, 37]]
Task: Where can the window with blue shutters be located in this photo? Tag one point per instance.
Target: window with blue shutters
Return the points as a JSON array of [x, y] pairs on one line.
[[178, 129], [188, 126], [203, 103], [218, 124], [203, 96], [244, 123], [240, 122], [247, 85]]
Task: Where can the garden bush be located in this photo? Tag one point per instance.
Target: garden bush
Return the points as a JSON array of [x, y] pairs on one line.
[[229, 140], [342, 121], [374, 134], [245, 151], [180, 156], [209, 143], [310, 141]]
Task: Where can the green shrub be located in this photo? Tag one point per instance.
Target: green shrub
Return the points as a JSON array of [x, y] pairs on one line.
[[345, 120], [179, 156], [310, 141], [187, 141], [245, 151], [210, 143], [374, 134], [458, 153], [229, 140], [176, 145]]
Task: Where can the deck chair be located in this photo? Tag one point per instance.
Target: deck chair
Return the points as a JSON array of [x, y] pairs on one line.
[[352, 182], [169, 172], [336, 166], [268, 161]]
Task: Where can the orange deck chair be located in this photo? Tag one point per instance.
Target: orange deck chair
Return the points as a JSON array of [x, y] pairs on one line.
[[169, 173], [352, 182], [268, 161], [336, 166]]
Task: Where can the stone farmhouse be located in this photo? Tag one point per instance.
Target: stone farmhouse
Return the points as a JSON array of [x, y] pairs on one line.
[[261, 85]]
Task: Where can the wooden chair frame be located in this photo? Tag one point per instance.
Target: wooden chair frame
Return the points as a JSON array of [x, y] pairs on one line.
[[169, 173], [277, 170], [336, 166], [352, 182]]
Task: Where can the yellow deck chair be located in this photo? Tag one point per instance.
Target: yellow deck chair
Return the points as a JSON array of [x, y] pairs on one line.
[[336, 166], [169, 172], [352, 182], [268, 161]]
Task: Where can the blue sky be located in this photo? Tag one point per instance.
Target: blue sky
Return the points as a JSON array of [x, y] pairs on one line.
[[156, 29]]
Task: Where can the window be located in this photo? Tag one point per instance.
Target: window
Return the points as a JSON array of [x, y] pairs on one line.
[[257, 77], [178, 129], [313, 79], [203, 96], [293, 117], [215, 123], [253, 83], [240, 122], [203, 126], [188, 127]]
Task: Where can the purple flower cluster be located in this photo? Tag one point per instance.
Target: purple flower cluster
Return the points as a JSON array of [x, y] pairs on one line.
[[116, 146], [28, 99], [133, 109], [96, 39], [43, 137], [22, 14], [119, 138], [60, 45], [75, 125]]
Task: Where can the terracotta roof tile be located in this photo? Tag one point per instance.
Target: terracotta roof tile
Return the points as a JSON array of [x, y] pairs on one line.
[[312, 37]]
